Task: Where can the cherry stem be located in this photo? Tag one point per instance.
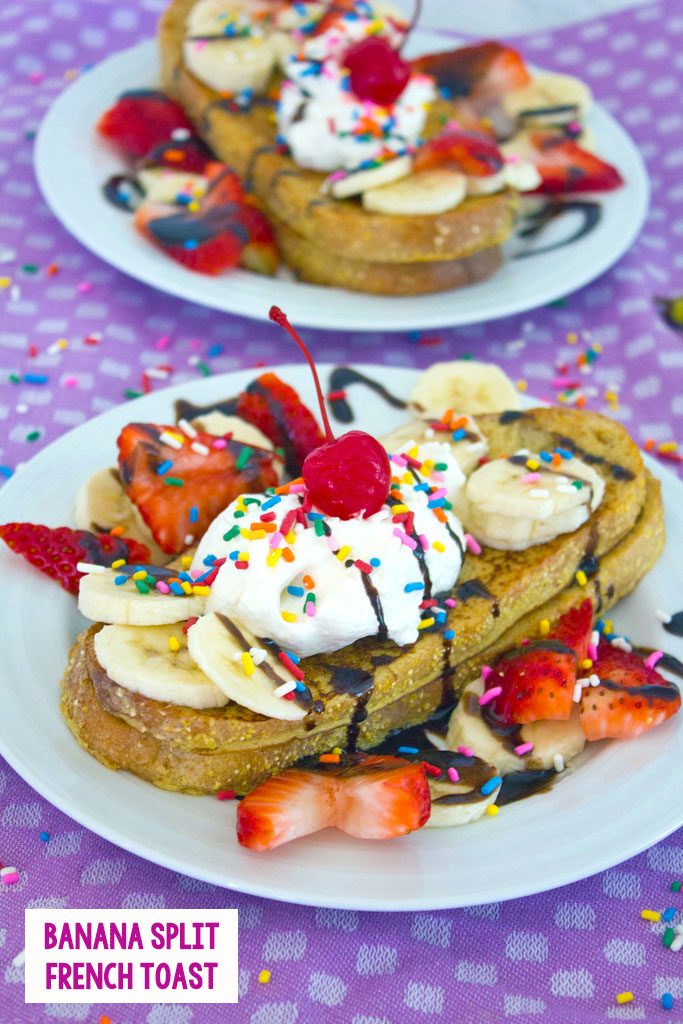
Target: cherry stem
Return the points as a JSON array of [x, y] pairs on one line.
[[280, 318], [417, 14]]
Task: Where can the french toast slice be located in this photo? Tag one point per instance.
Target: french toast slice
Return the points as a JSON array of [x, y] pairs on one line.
[[311, 263], [246, 140], [370, 688]]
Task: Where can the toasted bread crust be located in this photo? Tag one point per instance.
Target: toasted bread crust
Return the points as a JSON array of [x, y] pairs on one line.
[[311, 263], [200, 752], [246, 141]]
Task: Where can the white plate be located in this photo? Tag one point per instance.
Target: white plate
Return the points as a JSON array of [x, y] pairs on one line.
[[72, 165], [621, 798]]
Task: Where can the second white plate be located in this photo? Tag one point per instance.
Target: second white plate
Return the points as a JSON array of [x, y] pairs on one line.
[[619, 798], [72, 164]]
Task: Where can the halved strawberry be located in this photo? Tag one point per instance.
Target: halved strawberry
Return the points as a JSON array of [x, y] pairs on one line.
[[223, 186], [471, 152], [565, 167], [208, 242], [191, 155], [482, 73], [371, 797], [276, 409], [631, 698], [196, 481], [538, 681], [260, 254], [141, 119], [56, 551], [574, 628]]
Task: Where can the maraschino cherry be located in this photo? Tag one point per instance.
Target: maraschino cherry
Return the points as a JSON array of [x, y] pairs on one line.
[[378, 72], [346, 476]]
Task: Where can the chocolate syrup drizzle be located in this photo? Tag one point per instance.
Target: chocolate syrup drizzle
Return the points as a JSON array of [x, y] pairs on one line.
[[534, 223], [675, 624], [341, 378]]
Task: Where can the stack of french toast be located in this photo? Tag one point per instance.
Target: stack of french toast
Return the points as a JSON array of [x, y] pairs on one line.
[[327, 240], [359, 694]]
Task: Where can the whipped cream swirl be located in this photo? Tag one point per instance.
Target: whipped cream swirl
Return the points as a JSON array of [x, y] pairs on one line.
[[315, 583], [328, 128]]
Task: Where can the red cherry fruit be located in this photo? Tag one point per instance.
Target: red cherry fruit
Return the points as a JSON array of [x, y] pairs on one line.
[[346, 476], [378, 72]]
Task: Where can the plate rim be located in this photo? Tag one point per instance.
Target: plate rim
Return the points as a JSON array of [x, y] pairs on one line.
[[383, 312], [174, 862]]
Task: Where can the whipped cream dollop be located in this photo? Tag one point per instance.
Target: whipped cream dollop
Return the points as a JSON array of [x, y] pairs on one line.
[[328, 128], [315, 583]]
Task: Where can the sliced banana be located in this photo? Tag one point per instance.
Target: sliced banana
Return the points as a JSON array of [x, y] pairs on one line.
[[218, 424], [467, 449], [163, 185], [360, 181], [217, 645], [486, 184], [522, 175], [231, 63], [516, 502], [102, 600], [550, 98], [518, 174], [424, 193], [154, 661], [102, 504], [459, 802], [466, 385], [468, 728]]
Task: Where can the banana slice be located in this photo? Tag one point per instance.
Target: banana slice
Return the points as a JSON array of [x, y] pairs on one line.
[[163, 185], [102, 504], [102, 600], [466, 385], [218, 50], [459, 802], [516, 502], [468, 728], [218, 645], [218, 424], [467, 443], [154, 661], [549, 99], [361, 181], [518, 174], [427, 192]]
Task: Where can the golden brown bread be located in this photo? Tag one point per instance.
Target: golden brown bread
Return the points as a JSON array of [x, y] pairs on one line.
[[246, 141], [502, 597], [311, 263]]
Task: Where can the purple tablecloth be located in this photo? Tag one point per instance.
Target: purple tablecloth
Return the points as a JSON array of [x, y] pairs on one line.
[[559, 957]]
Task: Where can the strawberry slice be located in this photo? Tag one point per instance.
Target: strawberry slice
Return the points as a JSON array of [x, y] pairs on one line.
[[537, 681], [574, 628], [631, 698], [180, 491], [56, 551], [191, 155], [260, 254], [276, 409], [371, 797], [141, 119], [565, 167], [482, 73], [208, 242], [223, 186], [471, 152]]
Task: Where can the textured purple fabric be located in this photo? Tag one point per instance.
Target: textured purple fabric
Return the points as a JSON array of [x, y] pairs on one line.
[[559, 957]]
